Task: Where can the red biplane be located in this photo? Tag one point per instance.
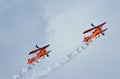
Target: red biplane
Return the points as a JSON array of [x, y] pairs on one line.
[[97, 30], [42, 52]]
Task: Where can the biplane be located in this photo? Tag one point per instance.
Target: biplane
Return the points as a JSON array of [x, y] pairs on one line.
[[96, 30], [41, 53]]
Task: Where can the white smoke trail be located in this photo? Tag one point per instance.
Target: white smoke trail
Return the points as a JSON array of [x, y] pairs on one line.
[[51, 68], [63, 61]]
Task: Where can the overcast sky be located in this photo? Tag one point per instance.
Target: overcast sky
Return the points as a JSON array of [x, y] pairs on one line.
[[23, 24]]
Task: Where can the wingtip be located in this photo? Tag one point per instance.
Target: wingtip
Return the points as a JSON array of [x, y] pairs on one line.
[[105, 22], [83, 32], [48, 44], [29, 54]]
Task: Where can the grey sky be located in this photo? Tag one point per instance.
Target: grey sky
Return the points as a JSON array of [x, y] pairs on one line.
[[23, 24], [101, 59]]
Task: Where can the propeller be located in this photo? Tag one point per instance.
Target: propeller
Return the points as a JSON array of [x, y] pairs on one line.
[[47, 53], [103, 31], [103, 34], [37, 46], [92, 25]]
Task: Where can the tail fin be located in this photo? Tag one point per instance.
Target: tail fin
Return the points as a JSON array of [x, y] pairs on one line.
[[86, 39], [29, 61]]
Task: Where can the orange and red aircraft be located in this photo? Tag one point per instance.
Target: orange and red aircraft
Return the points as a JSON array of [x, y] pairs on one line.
[[42, 52], [97, 30]]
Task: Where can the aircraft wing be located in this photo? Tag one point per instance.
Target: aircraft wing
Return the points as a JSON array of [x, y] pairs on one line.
[[89, 30], [44, 47], [94, 27], [104, 30], [101, 24], [34, 51]]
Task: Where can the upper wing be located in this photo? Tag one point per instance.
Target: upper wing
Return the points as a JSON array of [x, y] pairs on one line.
[[38, 49], [101, 24], [89, 30], [34, 51], [44, 47], [94, 27]]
